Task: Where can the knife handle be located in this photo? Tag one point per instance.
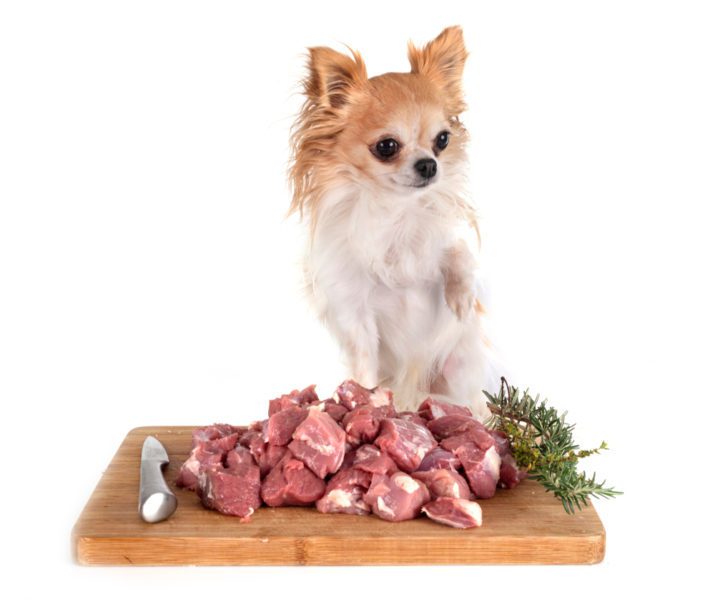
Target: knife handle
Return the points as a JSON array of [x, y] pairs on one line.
[[156, 501]]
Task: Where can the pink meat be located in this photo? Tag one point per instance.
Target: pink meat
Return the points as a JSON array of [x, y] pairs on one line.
[[199, 460], [349, 458], [344, 493], [235, 492], [335, 410], [406, 442], [481, 468], [319, 442], [443, 482], [450, 425], [238, 456], [266, 455], [256, 425], [215, 433], [282, 424], [434, 409], [408, 415], [501, 441], [455, 512], [346, 499], [371, 459], [367, 447], [396, 497], [477, 436], [351, 394], [294, 398], [247, 438], [291, 483], [510, 475], [362, 423], [439, 458]]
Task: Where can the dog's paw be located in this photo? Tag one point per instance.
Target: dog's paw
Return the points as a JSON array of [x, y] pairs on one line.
[[460, 298]]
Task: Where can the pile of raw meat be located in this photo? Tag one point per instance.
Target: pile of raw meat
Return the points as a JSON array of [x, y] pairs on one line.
[[353, 454]]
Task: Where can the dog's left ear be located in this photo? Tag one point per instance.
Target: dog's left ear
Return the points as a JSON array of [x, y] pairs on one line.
[[442, 60], [333, 76]]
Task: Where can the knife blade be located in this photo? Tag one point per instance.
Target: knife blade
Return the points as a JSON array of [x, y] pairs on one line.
[[156, 501]]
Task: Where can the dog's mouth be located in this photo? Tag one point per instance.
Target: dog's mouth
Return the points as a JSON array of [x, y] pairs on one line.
[[413, 185]]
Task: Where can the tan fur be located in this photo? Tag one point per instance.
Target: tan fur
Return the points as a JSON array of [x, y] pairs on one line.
[[343, 106]]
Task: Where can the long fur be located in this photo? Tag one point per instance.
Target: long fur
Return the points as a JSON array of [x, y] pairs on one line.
[[385, 266]]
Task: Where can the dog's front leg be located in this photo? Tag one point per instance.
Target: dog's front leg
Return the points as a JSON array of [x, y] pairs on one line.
[[458, 266], [356, 330]]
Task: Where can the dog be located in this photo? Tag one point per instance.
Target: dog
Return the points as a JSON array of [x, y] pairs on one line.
[[378, 171]]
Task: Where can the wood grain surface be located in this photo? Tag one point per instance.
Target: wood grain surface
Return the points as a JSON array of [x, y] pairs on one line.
[[521, 526]]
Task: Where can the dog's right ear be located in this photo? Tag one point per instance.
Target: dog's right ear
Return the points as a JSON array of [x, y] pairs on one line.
[[333, 76]]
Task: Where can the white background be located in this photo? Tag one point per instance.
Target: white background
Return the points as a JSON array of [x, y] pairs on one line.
[[147, 275]]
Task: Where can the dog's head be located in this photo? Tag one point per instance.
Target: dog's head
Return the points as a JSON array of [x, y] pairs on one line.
[[398, 133]]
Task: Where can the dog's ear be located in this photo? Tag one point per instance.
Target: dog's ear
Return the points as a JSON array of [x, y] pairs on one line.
[[333, 76], [442, 60]]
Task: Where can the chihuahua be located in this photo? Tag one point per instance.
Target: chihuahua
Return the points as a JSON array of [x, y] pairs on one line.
[[378, 170]]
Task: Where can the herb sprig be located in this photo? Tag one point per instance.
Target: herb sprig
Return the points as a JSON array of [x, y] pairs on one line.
[[543, 445]]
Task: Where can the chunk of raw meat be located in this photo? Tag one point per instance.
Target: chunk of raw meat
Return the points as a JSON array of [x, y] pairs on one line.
[[294, 398], [406, 442], [450, 425], [344, 493], [481, 468], [479, 437], [319, 442], [291, 483], [439, 458], [510, 475], [362, 423], [282, 424], [455, 512], [231, 492], [396, 497], [347, 500], [408, 415], [371, 459], [266, 455], [219, 433], [200, 459], [501, 441], [443, 482], [248, 437], [335, 410], [434, 409], [238, 456], [351, 395]]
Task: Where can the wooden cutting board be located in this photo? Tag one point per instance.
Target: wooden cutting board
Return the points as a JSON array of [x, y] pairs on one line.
[[521, 526]]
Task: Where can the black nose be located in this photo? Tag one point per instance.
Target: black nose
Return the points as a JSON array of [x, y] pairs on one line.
[[426, 167]]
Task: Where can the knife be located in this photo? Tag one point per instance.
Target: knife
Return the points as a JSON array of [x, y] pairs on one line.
[[156, 501]]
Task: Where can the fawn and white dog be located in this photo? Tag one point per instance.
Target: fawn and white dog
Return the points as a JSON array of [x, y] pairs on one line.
[[378, 169]]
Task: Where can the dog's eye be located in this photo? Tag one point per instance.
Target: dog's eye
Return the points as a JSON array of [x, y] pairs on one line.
[[386, 148], [442, 140]]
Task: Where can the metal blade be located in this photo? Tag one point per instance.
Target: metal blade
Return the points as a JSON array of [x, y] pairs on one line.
[[152, 450]]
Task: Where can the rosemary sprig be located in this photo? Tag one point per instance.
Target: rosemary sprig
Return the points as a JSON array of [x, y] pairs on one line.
[[543, 445]]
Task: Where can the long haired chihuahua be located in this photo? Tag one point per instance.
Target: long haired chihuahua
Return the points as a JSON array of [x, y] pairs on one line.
[[378, 169]]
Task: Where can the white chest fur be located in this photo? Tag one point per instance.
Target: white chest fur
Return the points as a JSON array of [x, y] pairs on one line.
[[374, 268], [393, 241]]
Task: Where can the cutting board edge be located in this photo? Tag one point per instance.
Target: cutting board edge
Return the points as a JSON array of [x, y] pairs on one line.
[[321, 551]]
